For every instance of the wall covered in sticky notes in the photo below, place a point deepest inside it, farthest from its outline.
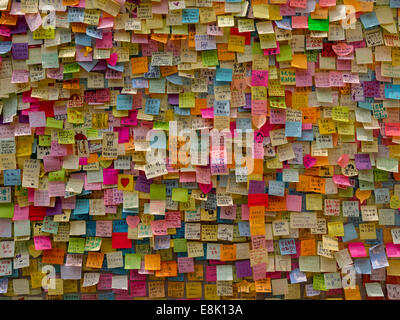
(199, 149)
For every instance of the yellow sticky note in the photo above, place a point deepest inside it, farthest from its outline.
(299, 61)
(125, 182)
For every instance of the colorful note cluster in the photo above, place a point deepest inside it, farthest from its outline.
(199, 149)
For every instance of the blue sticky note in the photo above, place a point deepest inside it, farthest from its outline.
(293, 129)
(287, 246)
(350, 232)
(153, 73)
(152, 106)
(190, 15)
(392, 91)
(224, 74)
(76, 14)
(394, 3)
(369, 20)
(362, 266)
(83, 40)
(221, 108)
(140, 83)
(12, 177)
(120, 226)
(124, 102)
(244, 229)
(296, 276)
(285, 23)
(88, 65)
(276, 188)
(90, 228)
(81, 206)
(175, 79)
(118, 67)
(306, 135)
(182, 111)
(93, 32)
(5, 47)
(243, 124)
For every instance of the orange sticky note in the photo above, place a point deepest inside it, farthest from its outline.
(139, 65)
(152, 262)
(307, 247)
(228, 252)
(299, 61)
(95, 260)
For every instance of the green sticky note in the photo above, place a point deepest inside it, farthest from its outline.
(76, 245)
(210, 58)
(45, 141)
(161, 125)
(256, 48)
(71, 67)
(285, 54)
(158, 191)
(57, 175)
(312, 55)
(380, 175)
(92, 133)
(318, 24)
(319, 282)
(53, 123)
(132, 261)
(6, 210)
(180, 194)
(346, 193)
(92, 243)
(187, 100)
(387, 164)
(157, 85)
(180, 245)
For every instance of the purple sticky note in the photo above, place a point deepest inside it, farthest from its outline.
(20, 27)
(56, 210)
(243, 269)
(20, 51)
(142, 184)
(173, 99)
(363, 162)
(256, 187)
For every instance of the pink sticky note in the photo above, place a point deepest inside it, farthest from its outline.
(259, 271)
(207, 113)
(51, 163)
(20, 213)
(34, 21)
(343, 160)
(110, 176)
(42, 243)
(228, 212)
(341, 179)
(112, 60)
(106, 42)
(138, 288)
(309, 161)
(357, 249)
(392, 250)
(56, 189)
(211, 273)
(245, 212)
(106, 22)
(81, 54)
(159, 227)
(259, 78)
(187, 177)
(294, 202)
(37, 119)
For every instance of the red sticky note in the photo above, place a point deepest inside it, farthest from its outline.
(120, 240)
